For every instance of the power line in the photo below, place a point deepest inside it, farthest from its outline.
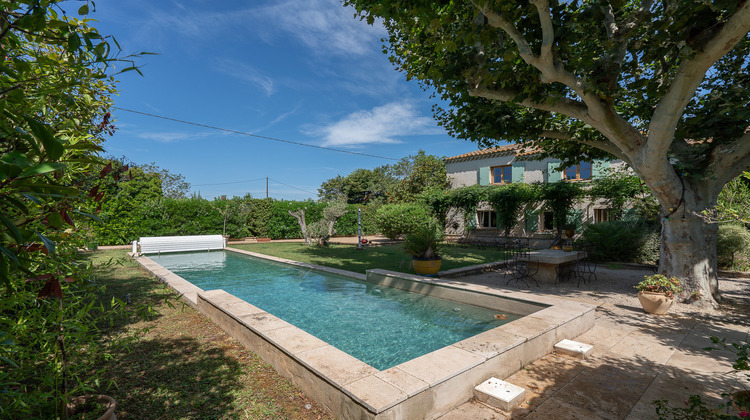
(290, 186)
(253, 135)
(227, 183)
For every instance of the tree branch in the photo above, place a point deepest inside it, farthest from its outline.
(687, 80)
(731, 159)
(565, 106)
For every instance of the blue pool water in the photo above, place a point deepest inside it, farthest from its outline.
(381, 326)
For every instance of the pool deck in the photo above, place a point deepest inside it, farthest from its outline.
(426, 387)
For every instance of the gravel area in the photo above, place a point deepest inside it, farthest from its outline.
(614, 286)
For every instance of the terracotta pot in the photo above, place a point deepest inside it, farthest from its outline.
(263, 239)
(655, 303)
(426, 267)
(78, 402)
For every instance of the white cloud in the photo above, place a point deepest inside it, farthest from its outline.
(381, 125)
(172, 137)
(247, 74)
(326, 26)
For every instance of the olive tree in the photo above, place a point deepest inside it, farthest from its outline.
(661, 85)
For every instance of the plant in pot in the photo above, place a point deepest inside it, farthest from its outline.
(424, 245)
(657, 293)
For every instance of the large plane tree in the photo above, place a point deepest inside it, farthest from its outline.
(662, 85)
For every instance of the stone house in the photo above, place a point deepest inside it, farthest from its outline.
(516, 163)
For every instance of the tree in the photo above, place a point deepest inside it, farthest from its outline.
(660, 85)
(416, 174)
(56, 80)
(172, 185)
(320, 231)
(360, 186)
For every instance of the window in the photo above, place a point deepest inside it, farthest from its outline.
(487, 219)
(601, 215)
(502, 174)
(578, 172)
(549, 221)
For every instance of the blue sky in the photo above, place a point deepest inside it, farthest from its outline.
(300, 70)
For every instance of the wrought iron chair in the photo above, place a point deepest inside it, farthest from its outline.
(521, 267)
(586, 268)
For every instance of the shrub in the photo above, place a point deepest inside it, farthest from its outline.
(623, 241)
(732, 239)
(395, 220)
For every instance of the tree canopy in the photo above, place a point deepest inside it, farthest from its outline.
(661, 85)
(399, 182)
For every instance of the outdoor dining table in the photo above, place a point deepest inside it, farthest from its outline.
(548, 260)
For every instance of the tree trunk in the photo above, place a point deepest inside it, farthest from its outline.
(688, 249)
(300, 216)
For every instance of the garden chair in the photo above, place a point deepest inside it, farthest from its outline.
(521, 267)
(585, 269)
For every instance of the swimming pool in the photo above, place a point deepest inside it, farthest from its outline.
(381, 326)
(425, 387)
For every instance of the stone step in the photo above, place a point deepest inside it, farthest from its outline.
(500, 394)
(574, 348)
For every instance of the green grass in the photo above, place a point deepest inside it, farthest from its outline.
(389, 257)
(186, 367)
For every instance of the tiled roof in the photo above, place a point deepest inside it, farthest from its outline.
(510, 149)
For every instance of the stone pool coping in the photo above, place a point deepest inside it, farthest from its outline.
(425, 387)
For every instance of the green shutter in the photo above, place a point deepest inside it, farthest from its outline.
(484, 175)
(517, 172)
(599, 167)
(532, 221)
(553, 172)
(575, 218)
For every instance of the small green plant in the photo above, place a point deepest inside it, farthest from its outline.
(660, 283)
(696, 408)
(425, 242)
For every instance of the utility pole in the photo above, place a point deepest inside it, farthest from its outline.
(266, 187)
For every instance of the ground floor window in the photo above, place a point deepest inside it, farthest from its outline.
(487, 219)
(602, 215)
(549, 221)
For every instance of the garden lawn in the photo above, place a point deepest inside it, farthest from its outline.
(186, 367)
(387, 257)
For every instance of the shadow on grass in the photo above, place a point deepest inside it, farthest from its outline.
(176, 378)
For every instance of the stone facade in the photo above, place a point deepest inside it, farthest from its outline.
(516, 164)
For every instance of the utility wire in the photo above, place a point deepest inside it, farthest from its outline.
(290, 186)
(227, 183)
(253, 135)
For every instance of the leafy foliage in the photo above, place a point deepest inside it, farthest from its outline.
(509, 200)
(395, 220)
(732, 241)
(659, 283)
(56, 80)
(623, 241)
(617, 188)
(559, 198)
(425, 241)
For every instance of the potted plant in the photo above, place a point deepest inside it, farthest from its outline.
(424, 245)
(656, 293)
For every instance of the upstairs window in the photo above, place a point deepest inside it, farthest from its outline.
(578, 172)
(502, 174)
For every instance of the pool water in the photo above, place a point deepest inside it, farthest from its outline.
(381, 326)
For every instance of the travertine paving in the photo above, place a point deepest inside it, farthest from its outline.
(637, 358)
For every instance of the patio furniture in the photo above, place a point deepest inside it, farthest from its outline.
(585, 269)
(522, 267)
